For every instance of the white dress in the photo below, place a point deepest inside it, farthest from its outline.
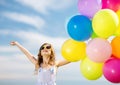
(47, 76)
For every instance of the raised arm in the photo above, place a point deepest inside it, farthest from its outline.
(25, 51)
(62, 62)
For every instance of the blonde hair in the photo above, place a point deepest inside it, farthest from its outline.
(40, 58)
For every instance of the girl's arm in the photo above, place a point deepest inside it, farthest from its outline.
(62, 62)
(25, 51)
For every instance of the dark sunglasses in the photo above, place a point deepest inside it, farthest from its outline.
(47, 47)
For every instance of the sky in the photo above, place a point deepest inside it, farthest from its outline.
(31, 23)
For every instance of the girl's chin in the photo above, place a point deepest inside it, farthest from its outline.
(46, 54)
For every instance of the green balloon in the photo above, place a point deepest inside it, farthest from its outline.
(93, 35)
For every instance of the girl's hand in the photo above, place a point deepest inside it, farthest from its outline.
(13, 43)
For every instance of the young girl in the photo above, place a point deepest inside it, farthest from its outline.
(45, 65)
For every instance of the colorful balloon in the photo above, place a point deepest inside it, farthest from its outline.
(111, 70)
(89, 7)
(115, 43)
(98, 50)
(105, 23)
(90, 69)
(117, 33)
(94, 35)
(73, 51)
(79, 28)
(111, 4)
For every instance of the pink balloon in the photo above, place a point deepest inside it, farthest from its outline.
(111, 4)
(111, 70)
(99, 50)
(89, 7)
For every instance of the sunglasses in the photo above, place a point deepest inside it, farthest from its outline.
(47, 47)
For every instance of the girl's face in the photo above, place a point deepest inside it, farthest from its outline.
(46, 50)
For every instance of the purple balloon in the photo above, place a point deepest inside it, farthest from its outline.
(111, 70)
(89, 7)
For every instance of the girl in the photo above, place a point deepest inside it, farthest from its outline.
(45, 65)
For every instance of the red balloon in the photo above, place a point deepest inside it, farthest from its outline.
(111, 4)
(111, 70)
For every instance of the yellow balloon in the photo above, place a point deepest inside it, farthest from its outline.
(105, 23)
(91, 70)
(73, 50)
(117, 33)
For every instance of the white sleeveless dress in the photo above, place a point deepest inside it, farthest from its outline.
(47, 76)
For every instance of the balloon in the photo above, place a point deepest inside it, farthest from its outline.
(73, 51)
(115, 43)
(79, 28)
(111, 4)
(98, 50)
(90, 69)
(89, 7)
(94, 35)
(117, 33)
(111, 70)
(105, 23)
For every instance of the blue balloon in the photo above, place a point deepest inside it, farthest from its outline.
(79, 28)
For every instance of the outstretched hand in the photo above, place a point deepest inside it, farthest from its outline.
(13, 43)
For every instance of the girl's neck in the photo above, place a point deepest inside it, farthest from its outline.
(46, 60)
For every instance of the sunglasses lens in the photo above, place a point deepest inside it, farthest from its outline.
(48, 47)
(42, 48)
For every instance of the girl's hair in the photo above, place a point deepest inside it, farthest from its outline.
(40, 57)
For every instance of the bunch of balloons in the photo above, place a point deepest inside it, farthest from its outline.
(89, 42)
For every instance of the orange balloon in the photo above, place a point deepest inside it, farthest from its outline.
(116, 46)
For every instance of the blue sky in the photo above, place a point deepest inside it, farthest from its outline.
(31, 23)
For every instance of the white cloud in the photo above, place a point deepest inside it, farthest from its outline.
(16, 61)
(7, 49)
(14, 66)
(15, 76)
(4, 32)
(35, 21)
(43, 6)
